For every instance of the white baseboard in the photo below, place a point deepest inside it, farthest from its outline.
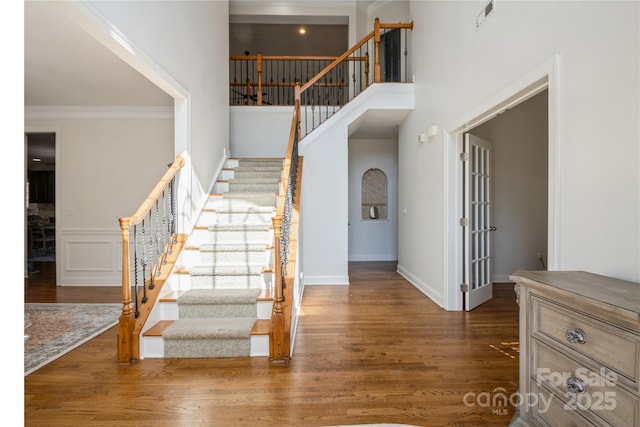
(373, 257)
(423, 287)
(325, 280)
(500, 278)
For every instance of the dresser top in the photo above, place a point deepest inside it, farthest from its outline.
(620, 293)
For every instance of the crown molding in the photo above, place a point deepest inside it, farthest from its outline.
(99, 112)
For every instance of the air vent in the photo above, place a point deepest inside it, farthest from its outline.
(484, 14)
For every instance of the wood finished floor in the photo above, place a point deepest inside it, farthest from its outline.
(377, 351)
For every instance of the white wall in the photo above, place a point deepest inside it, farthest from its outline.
(259, 131)
(519, 187)
(325, 177)
(106, 167)
(597, 131)
(389, 12)
(372, 240)
(188, 40)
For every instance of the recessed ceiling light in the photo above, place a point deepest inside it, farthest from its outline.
(302, 30)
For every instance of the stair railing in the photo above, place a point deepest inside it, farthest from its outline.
(285, 244)
(314, 103)
(150, 246)
(318, 102)
(270, 80)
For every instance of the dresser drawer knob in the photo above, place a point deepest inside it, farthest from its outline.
(576, 336)
(576, 385)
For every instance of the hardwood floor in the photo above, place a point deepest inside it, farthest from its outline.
(41, 287)
(377, 351)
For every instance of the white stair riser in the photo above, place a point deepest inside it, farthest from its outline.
(169, 310)
(232, 163)
(259, 345)
(227, 174)
(207, 218)
(264, 309)
(221, 187)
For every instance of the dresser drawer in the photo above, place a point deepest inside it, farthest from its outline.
(607, 345)
(551, 411)
(601, 395)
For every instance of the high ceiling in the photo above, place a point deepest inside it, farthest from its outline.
(65, 66)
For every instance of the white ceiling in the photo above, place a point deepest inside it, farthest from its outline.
(65, 66)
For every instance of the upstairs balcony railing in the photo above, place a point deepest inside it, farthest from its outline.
(327, 83)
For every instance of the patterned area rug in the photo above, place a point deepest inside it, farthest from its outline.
(52, 330)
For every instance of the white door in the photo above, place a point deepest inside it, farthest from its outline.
(477, 284)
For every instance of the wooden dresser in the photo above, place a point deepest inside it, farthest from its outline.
(579, 350)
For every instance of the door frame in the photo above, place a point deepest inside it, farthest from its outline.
(58, 189)
(544, 76)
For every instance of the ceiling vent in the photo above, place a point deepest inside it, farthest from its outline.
(484, 14)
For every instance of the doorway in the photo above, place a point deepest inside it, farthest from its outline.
(509, 229)
(40, 203)
(540, 81)
(372, 200)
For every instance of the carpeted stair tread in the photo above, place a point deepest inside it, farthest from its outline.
(233, 247)
(244, 199)
(225, 270)
(261, 178)
(259, 163)
(244, 209)
(209, 327)
(219, 296)
(250, 187)
(209, 337)
(240, 227)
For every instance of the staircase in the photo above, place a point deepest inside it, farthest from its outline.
(218, 302)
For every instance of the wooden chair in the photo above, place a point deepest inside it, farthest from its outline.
(41, 237)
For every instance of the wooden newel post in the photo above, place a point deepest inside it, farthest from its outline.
(277, 344)
(127, 319)
(297, 91)
(376, 39)
(259, 70)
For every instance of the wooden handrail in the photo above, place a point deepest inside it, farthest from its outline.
(282, 58)
(373, 34)
(127, 320)
(157, 190)
(337, 61)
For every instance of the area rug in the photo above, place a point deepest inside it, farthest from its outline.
(52, 330)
